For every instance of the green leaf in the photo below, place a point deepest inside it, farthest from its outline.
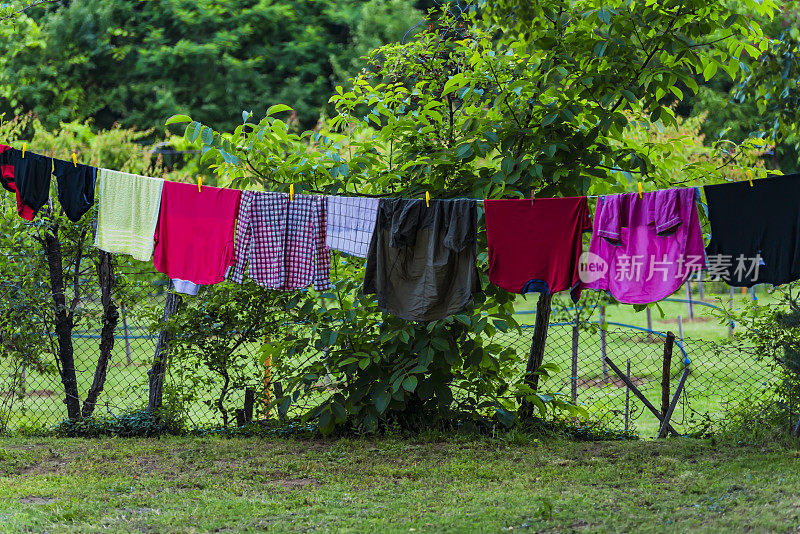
(604, 15)
(193, 131)
(464, 151)
(549, 119)
(207, 135)
(277, 108)
(440, 343)
(177, 119)
(382, 401)
(410, 383)
(710, 70)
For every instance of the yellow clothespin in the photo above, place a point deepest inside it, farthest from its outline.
(750, 176)
(428, 199)
(291, 193)
(639, 187)
(199, 184)
(74, 159)
(24, 148)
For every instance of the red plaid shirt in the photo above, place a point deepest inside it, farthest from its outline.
(282, 241)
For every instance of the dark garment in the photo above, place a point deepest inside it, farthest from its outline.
(75, 188)
(421, 260)
(7, 169)
(31, 180)
(755, 231)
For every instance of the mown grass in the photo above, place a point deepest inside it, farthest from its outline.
(394, 485)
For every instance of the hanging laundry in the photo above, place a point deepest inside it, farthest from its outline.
(351, 223)
(421, 261)
(755, 231)
(128, 209)
(75, 188)
(283, 241)
(7, 172)
(535, 245)
(194, 235)
(30, 180)
(185, 287)
(644, 249)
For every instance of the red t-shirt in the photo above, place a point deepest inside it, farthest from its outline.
(535, 245)
(194, 235)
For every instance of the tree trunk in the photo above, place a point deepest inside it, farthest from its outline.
(63, 323)
(543, 308)
(105, 273)
(159, 368)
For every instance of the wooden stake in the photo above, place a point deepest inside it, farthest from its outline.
(689, 304)
(662, 431)
(641, 396)
(543, 309)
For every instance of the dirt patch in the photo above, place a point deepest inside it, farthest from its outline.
(610, 381)
(32, 499)
(297, 483)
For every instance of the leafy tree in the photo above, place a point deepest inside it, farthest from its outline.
(137, 62)
(772, 83)
(550, 96)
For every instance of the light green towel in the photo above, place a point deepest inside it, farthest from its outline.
(128, 212)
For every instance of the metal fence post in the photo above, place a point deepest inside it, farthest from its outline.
(575, 341)
(603, 341)
(627, 397)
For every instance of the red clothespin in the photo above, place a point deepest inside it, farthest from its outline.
(533, 196)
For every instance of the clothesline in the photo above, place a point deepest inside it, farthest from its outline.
(422, 261)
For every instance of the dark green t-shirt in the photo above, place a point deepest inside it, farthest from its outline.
(421, 260)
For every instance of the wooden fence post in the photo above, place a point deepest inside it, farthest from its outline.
(158, 370)
(665, 374)
(543, 309)
(689, 304)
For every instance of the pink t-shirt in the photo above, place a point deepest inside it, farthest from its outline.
(194, 235)
(643, 250)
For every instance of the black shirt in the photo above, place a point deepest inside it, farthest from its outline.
(755, 231)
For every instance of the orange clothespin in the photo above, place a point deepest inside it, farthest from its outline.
(291, 193)
(74, 159)
(199, 184)
(24, 148)
(428, 199)
(639, 187)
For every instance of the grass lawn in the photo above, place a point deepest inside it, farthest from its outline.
(394, 485)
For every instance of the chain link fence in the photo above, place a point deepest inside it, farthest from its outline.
(32, 395)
